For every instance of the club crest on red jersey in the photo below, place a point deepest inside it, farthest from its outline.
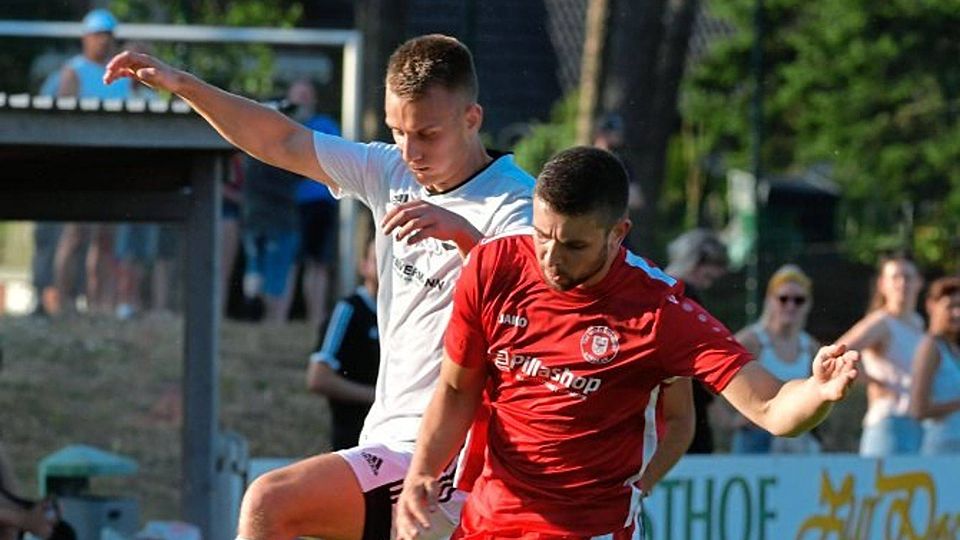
(599, 345)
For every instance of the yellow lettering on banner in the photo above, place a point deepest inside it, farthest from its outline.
(845, 519)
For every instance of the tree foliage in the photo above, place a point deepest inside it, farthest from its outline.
(547, 138)
(246, 69)
(872, 88)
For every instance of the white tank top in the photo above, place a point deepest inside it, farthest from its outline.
(893, 369)
(946, 387)
(782, 369)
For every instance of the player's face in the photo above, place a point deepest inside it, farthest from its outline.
(574, 250)
(434, 133)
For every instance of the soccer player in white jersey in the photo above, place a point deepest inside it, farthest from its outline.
(435, 194)
(569, 333)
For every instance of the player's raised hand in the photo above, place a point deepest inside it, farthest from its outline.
(416, 220)
(834, 370)
(144, 68)
(417, 501)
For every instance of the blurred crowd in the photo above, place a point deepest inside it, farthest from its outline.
(286, 225)
(910, 365)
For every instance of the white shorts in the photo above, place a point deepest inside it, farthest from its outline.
(380, 469)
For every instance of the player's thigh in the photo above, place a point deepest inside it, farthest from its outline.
(380, 470)
(319, 496)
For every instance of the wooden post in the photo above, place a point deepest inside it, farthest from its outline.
(591, 69)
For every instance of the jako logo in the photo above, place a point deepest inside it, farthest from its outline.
(512, 320)
(530, 366)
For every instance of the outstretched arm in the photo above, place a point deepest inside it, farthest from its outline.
(870, 332)
(444, 427)
(258, 130)
(793, 407)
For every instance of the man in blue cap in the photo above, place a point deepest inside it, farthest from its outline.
(82, 76)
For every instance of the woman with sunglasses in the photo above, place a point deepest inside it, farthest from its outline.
(778, 341)
(935, 397)
(887, 338)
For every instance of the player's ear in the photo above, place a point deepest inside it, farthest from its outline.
(474, 116)
(618, 234)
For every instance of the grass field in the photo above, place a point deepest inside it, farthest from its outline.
(116, 386)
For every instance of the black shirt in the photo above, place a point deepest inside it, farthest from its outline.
(350, 345)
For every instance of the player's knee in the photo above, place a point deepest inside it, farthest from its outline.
(263, 509)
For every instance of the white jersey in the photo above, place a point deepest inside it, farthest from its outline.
(416, 281)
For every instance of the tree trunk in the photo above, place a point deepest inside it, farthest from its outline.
(591, 69)
(383, 23)
(645, 62)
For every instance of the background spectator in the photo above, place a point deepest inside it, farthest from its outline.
(46, 236)
(135, 250)
(344, 366)
(271, 236)
(887, 338)
(230, 211)
(779, 342)
(318, 209)
(163, 276)
(935, 396)
(82, 76)
(608, 136)
(698, 258)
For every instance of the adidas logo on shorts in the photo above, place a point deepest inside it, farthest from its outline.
(374, 461)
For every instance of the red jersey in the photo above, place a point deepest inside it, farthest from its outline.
(571, 374)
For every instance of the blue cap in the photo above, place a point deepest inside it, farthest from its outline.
(99, 20)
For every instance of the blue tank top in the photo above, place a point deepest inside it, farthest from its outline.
(90, 79)
(799, 368)
(945, 387)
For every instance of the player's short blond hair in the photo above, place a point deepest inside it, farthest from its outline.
(431, 60)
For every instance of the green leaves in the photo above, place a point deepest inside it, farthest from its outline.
(871, 88)
(246, 69)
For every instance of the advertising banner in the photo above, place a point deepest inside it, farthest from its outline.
(817, 497)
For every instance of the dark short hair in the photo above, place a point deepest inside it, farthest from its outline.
(584, 180)
(945, 286)
(431, 60)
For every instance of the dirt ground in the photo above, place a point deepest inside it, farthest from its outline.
(116, 385)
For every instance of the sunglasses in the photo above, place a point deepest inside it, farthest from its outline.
(798, 300)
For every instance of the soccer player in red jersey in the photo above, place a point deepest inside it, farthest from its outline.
(568, 334)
